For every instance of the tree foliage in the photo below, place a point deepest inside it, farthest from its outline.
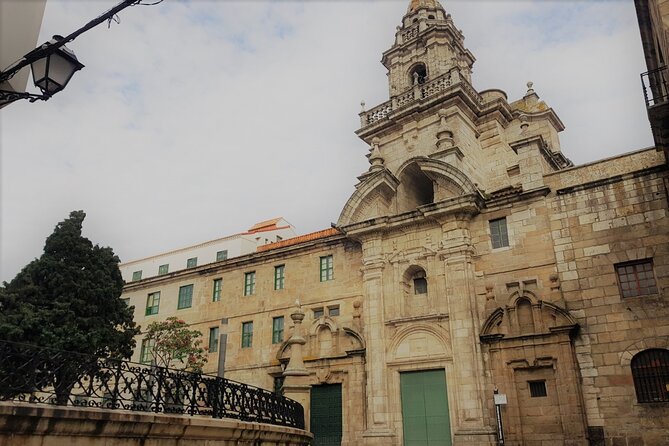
(173, 344)
(69, 299)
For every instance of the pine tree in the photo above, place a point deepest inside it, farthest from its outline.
(68, 299)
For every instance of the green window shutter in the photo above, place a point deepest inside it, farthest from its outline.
(213, 339)
(216, 295)
(327, 268)
(152, 303)
(137, 275)
(185, 297)
(277, 330)
(279, 277)
(247, 334)
(163, 269)
(146, 355)
(191, 263)
(221, 255)
(249, 283)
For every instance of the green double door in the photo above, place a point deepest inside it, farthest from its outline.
(425, 408)
(326, 422)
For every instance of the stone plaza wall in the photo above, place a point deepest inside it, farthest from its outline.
(31, 425)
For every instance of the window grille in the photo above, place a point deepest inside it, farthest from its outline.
(650, 370)
(537, 389)
(636, 278)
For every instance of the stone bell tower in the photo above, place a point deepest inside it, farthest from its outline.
(427, 46)
(440, 153)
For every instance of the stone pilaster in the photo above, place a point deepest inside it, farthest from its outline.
(472, 424)
(378, 431)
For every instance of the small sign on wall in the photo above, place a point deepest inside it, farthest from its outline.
(500, 399)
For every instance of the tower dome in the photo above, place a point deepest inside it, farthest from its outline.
(417, 4)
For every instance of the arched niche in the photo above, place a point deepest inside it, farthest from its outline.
(416, 189)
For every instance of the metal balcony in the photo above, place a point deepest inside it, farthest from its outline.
(655, 86)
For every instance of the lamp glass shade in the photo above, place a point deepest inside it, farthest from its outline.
(52, 73)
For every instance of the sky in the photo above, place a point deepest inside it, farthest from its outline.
(193, 120)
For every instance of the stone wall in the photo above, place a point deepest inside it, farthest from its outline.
(31, 425)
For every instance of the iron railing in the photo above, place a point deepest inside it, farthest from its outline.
(42, 375)
(655, 86)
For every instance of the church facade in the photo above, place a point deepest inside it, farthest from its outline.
(472, 260)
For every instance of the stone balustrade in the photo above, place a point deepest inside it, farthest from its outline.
(451, 80)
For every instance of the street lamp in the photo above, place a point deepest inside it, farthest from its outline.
(53, 64)
(52, 73)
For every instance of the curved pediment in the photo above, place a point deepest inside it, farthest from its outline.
(373, 198)
(526, 316)
(326, 339)
(419, 181)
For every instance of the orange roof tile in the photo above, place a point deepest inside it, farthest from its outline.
(299, 239)
(265, 225)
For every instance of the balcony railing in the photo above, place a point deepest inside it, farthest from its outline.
(449, 80)
(655, 87)
(46, 376)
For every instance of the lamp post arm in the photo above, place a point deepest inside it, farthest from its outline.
(45, 50)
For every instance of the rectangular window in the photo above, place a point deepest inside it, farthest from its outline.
(152, 303)
(146, 353)
(213, 339)
(327, 268)
(247, 334)
(537, 389)
(277, 330)
(163, 269)
(318, 312)
(333, 310)
(498, 233)
(216, 295)
(221, 255)
(191, 263)
(249, 283)
(185, 297)
(137, 275)
(636, 278)
(279, 277)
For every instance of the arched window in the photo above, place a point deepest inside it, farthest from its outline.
(415, 278)
(650, 370)
(418, 74)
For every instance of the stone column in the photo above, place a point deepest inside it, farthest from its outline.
(378, 430)
(296, 376)
(472, 423)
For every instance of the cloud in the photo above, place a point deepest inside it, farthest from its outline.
(194, 120)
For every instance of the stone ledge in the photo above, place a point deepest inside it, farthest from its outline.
(21, 423)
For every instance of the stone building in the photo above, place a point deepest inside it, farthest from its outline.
(473, 257)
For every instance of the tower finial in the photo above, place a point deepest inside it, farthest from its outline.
(415, 4)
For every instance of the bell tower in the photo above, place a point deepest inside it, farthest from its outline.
(427, 45)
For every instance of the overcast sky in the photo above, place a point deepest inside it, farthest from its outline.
(195, 120)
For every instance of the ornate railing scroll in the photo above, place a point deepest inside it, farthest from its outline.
(48, 376)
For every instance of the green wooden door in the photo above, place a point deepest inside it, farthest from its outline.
(326, 415)
(425, 408)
